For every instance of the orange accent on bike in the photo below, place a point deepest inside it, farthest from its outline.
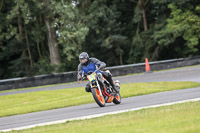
(110, 99)
(101, 99)
(118, 98)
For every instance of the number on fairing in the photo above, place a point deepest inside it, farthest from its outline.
(91, 77)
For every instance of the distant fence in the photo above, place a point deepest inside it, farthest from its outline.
(116, 71)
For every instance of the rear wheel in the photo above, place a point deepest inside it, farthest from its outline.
(97, 97)
(117, 99)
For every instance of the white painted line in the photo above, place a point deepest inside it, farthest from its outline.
(99, 115)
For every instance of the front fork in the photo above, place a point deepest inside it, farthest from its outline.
(99, 88)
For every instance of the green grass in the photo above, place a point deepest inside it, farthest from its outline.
(19, 89)
(178, 118)
(46, 100)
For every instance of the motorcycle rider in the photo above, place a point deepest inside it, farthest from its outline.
(89, 65)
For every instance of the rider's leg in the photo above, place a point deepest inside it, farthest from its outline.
(110, 80)
(99, 75)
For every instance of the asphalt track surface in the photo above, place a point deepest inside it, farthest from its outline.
(184, 74)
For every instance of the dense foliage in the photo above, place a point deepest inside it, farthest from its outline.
(45, 36)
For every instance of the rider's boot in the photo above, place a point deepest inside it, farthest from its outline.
(108, 76)
(117, 86)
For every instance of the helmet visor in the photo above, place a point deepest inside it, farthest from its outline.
(83, 60)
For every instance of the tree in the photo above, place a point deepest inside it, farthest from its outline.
(52, 41)
(182, 28)
(71, 31)
(14, 35)
(109, 25)
(185, 23)
(116, 43)
(45, 36)
(144, 44)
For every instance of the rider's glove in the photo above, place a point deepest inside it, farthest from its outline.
(101, 67)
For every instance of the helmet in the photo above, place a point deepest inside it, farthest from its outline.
(83, 58)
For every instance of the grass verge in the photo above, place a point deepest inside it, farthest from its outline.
(46, 100)
(178, 118)
(43, 86)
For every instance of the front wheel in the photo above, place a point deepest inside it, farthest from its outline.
(97, 97)
(117, 99)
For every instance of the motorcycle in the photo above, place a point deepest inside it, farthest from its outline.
(101, 89)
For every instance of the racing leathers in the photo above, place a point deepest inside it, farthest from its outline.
(91, 66)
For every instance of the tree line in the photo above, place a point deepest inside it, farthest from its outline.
(46, 36)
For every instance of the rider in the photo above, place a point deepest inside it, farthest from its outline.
(89, 64)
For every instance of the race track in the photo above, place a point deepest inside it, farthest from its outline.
(184, 74)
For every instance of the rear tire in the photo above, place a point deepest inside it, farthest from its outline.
(99, 99)
(117, 99)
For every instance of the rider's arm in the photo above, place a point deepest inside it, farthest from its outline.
(79, 74)
(98, 62)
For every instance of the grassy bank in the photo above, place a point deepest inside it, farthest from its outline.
(179, 118)
(46, 100)
(29, 88)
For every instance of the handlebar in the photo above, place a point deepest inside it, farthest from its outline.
(83, 77)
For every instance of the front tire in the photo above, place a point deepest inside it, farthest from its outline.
(97, 97)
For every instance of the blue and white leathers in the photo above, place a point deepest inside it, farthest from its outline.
(91, 67)
(92, 64)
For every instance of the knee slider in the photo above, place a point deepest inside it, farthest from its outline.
(108, 72)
